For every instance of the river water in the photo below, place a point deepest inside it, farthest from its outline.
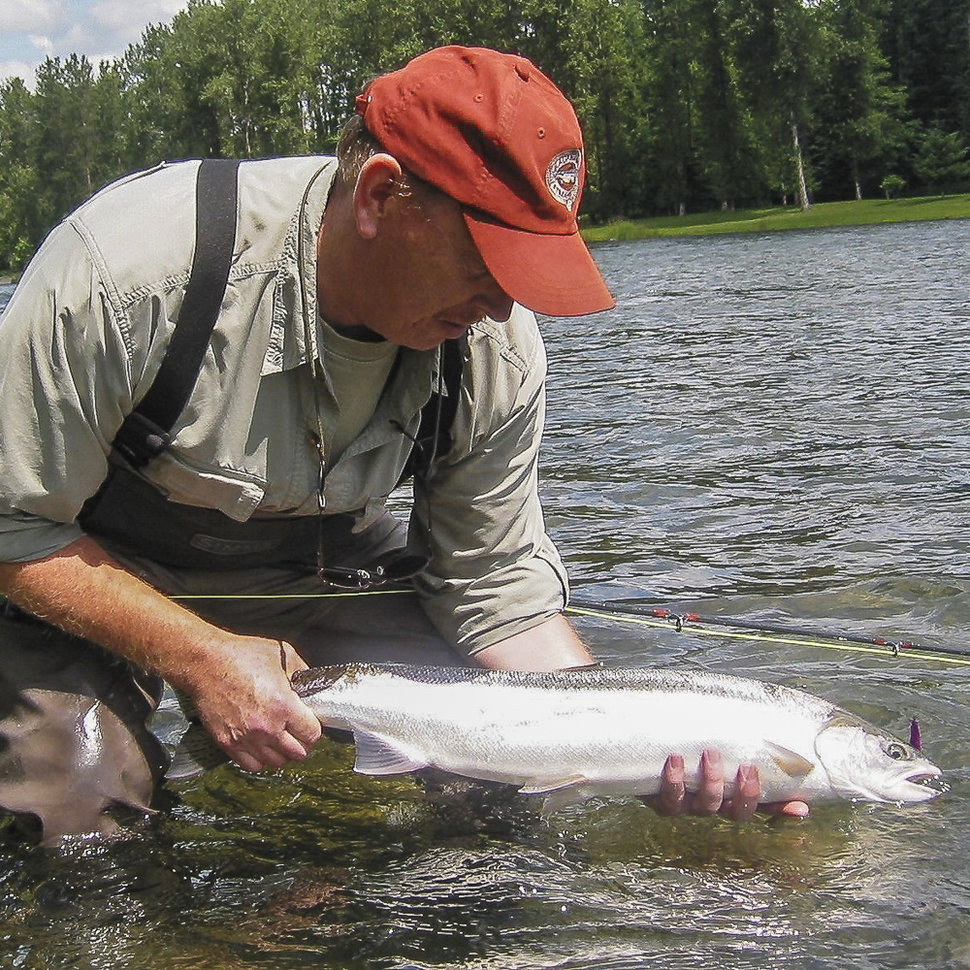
(774, 427)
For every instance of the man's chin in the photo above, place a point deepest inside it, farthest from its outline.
(452, 331)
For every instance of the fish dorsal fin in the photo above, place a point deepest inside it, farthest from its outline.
(790, 762)
(381, 756)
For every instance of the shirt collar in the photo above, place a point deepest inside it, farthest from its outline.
(295, 298)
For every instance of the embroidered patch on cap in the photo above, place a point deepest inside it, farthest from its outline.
(562, 177)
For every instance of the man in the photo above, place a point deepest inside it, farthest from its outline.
(451, 209)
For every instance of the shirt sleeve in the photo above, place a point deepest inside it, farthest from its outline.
(64, 381)
(493, 571)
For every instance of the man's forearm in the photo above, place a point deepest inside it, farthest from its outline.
(552, 645)
(82, 590)
(238, 684)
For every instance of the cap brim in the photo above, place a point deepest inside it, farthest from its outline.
(548, 273)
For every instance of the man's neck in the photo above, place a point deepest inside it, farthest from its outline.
(359, 332)
(335, 274)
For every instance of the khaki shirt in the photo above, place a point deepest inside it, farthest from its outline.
(87, 328)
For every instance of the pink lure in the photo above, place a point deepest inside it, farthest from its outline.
(915, 741)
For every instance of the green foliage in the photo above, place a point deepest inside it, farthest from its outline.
(941, 161)
(892, 185)
(686, 105)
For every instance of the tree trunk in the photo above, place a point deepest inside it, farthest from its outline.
(799, 167)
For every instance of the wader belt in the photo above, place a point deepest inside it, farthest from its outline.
(132, 513)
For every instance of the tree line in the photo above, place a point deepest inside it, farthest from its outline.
(687, 105)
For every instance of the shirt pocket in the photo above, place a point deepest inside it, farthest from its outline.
(234, 493)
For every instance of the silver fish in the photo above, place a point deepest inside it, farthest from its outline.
(570, 735)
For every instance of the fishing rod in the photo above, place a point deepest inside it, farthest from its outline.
(679, 621)
(660, 617)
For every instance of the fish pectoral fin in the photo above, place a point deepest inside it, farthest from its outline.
(381, 756)
(789, 761)
(559, 793)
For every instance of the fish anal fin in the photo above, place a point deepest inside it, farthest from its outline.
(377, 755)
(557, 784)
(559, 792)
(790, 762)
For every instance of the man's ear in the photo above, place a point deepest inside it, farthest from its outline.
(376, 186)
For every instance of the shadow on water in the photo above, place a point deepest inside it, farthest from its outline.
(772, 427)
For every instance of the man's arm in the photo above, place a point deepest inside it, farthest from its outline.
(552, 645)
(237, 683)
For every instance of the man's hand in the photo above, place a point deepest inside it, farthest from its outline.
(674, 799)
(246, 702)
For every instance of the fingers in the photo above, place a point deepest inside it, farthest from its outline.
(674, 798)
(291, 661)
(673, 791)
(747, 790)
(709, 796)
(789, 809)
(259, 750)
(274, 752)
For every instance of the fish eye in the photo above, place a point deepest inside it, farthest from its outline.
(896, 751)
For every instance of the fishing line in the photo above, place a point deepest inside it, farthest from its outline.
(288, 596)
(662, 618)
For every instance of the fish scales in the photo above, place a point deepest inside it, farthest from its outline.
(569, 735)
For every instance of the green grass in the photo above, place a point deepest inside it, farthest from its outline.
(864, 212)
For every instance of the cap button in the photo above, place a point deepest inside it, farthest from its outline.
(522, 69)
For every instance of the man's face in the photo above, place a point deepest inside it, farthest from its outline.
(434, 284)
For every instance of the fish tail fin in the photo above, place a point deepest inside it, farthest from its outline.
(195, 754)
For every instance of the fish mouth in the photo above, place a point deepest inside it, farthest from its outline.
(924, 785)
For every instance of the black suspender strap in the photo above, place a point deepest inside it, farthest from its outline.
(439, 426)
(146, 432)
(437, 416)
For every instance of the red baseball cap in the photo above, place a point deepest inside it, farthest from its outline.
(494, 133)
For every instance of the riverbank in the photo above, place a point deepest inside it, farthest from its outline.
(862, 212)
(824, 215)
